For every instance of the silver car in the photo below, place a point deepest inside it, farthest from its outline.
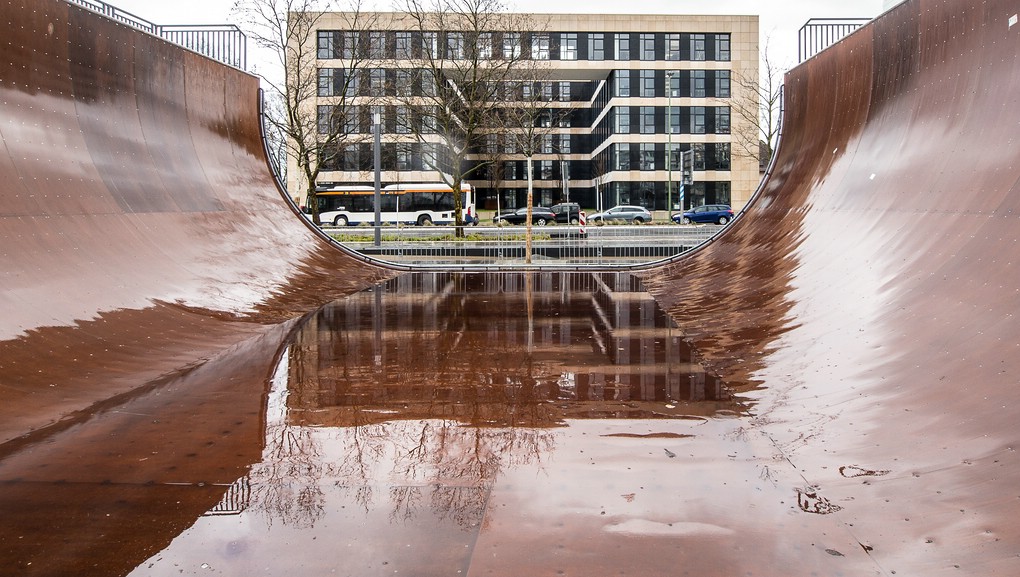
(623, 212)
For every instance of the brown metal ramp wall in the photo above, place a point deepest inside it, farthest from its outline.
(142, 230)
(867, 300)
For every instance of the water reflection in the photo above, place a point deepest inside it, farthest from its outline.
(400, 418)
(496, 350)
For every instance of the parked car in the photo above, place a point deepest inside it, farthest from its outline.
(713, 213)
(567, 212)
(626, 213)
(540, 216)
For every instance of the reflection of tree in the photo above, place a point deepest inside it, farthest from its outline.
(285, 485)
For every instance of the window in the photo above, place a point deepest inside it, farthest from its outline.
(564, 120)
(545, 168)
(428, 83)
(403, 46)
(673, 120)
(511, 46)
(327, 79)
(403, 120)
(547, 144)
(540, 46)
(672, 47)
(675, 155)
(697, 83)
(647, 89)
(350, 44)
(377, 81)
(492, 143)
(510, 171)
(697, 120)
(350, 161)
(323, 116)
(403, 158)
(564, 143)
(455, 45)
(568, 47)
(647, 119)
(429, 45)
(622, 120)
(697, 46)
(722, 156)
(403, 83)
(623, 46)
(327, 44)
(428, 121)
(722, 47)
(722, 83)
(564, 92)
(429, 157)
(698, 156)
(621, 157)
(597, 45)
(484, 46)
(646, 160)
(351, 90)
(377, 44)
(673, 83)
(647, 46)
(622, 83)
(722, 119)
(350, 120)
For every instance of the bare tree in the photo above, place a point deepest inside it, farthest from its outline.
(466, 52)
(528, 120)
(314, 135)
(759, 109)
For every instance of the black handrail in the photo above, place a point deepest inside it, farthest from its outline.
(224, 43)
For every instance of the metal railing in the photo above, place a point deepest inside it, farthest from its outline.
(817, 34)
(221, 42)
(555, 246)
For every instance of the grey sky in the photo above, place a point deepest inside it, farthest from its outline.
(779, 20)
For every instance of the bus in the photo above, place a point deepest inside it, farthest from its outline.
(420, 204)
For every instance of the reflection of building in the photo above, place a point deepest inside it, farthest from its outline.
(617, 82)
(490, 349)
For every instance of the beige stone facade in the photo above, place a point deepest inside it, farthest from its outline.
(614, 73)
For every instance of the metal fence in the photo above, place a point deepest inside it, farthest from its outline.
(817, 34)
(505, 247)
(222, 42)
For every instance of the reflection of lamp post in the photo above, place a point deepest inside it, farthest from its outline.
(669, 142)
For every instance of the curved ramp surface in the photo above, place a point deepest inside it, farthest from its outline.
(864, 306)
(142, 231)
(867, 300)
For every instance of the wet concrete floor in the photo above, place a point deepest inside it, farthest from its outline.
(438, 424)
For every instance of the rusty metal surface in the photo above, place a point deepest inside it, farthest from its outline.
(861, 315)
(867, 300)
(141, 229)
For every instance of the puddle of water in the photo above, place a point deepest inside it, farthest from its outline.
(409, 425)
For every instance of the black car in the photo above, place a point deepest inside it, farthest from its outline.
(540, 216)
(567, 212)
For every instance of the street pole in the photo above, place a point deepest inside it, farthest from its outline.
(669, 143)
(377, 160)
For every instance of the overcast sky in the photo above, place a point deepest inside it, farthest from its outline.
(779, 20)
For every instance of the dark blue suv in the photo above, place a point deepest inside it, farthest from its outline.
(713, 213)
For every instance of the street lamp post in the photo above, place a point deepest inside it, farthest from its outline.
(377, 129)
(669, 142)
